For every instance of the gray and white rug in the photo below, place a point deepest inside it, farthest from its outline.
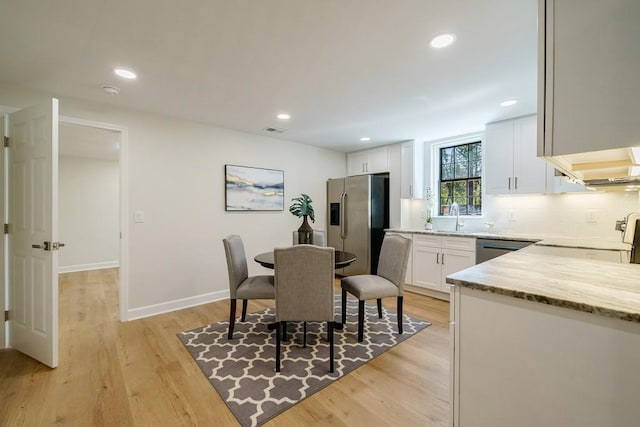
(242, 370)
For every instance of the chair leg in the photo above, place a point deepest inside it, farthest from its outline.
(360, 320)
(277, 346)
(344, 307)
(232, 317)
(379, 301)
(330, 332)
(244, 310)
(304, 334)
(400, 314)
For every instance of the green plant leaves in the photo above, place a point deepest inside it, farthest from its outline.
(301, 206)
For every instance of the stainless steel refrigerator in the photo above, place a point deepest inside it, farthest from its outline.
(358, 214)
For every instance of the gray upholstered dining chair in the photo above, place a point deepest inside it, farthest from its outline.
(241, 285)
(304, 290)
(319, 238)
(387, 282)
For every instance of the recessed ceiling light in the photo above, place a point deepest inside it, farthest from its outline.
(111, 90)
(508, 102)
(365, 139)
(125, 74)
(284, 116)
(442, 40)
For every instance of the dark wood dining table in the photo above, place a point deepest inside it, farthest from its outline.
(342, 259)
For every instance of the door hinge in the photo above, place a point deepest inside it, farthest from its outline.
(6, 229)
(6, 141)
(6, 315)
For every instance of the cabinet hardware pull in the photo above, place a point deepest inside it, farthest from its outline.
(516, 182)
(509, 185)
(442, 259)
(438, 258)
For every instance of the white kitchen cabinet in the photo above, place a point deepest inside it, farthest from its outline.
(408, 278)
(375, 160)
(579, 368)
(435, 257)
(560, 184)
(412, 170)
(588, 75)
(511, 165)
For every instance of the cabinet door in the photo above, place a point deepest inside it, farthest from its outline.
(529, 171)
(378, 160)
(356, 163)
(498, 158)
(426, 267)
(453, 261)
(592, 60)
(406, 171)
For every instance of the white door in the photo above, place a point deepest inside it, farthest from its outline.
(33, 220)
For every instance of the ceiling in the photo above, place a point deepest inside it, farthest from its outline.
(343, 69)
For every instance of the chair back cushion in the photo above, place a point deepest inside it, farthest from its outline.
(236, 263)
(304, 283)
(394, 256)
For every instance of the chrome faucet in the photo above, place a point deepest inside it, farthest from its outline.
(456, 208)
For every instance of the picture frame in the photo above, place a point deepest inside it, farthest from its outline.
(253, 189)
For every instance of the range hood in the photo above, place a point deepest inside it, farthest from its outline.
(608, 170)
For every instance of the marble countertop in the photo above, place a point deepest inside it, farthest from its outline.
(600, 287)
(539, 240)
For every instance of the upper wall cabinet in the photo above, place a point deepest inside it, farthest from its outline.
(589, 90)
(411, 170)
(375, 160)
(511, 164)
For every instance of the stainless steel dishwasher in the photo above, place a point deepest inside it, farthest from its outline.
(487, 249)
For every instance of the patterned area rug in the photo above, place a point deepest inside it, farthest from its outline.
(243, 370)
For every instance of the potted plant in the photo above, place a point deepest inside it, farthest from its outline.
(302, 207)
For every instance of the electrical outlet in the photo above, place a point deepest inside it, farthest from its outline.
(512, 215)
(591, 216)
(138, 216)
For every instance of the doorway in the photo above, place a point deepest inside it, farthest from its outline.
(96, 231)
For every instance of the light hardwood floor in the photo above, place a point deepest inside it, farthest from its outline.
(139, 374)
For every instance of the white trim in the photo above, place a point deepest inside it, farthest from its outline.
(123, 165)
(434, 180)
(87, 267)
(179, 304)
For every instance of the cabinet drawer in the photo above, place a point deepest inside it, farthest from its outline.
(459, 243)
(427, 240)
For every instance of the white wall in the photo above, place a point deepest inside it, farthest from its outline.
(556, 215)
(176, 177)
(88, 213)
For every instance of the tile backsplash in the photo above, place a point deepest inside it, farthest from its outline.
(574, 215)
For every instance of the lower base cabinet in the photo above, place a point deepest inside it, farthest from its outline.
(527, 364)
(436, 257)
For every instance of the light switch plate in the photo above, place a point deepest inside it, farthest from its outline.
(138, 216)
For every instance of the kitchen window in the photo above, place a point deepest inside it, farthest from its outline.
(461, 178)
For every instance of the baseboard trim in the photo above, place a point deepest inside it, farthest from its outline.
(179, 304)
(427, 292)
(87, 267)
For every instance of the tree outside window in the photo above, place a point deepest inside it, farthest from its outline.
(461, 178)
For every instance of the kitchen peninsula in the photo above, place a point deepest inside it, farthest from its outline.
(540, 339)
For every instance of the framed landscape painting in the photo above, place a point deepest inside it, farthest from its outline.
(253, 189)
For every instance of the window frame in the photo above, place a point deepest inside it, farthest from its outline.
(436, 146)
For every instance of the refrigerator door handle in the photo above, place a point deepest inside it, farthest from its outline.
(343, 218)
